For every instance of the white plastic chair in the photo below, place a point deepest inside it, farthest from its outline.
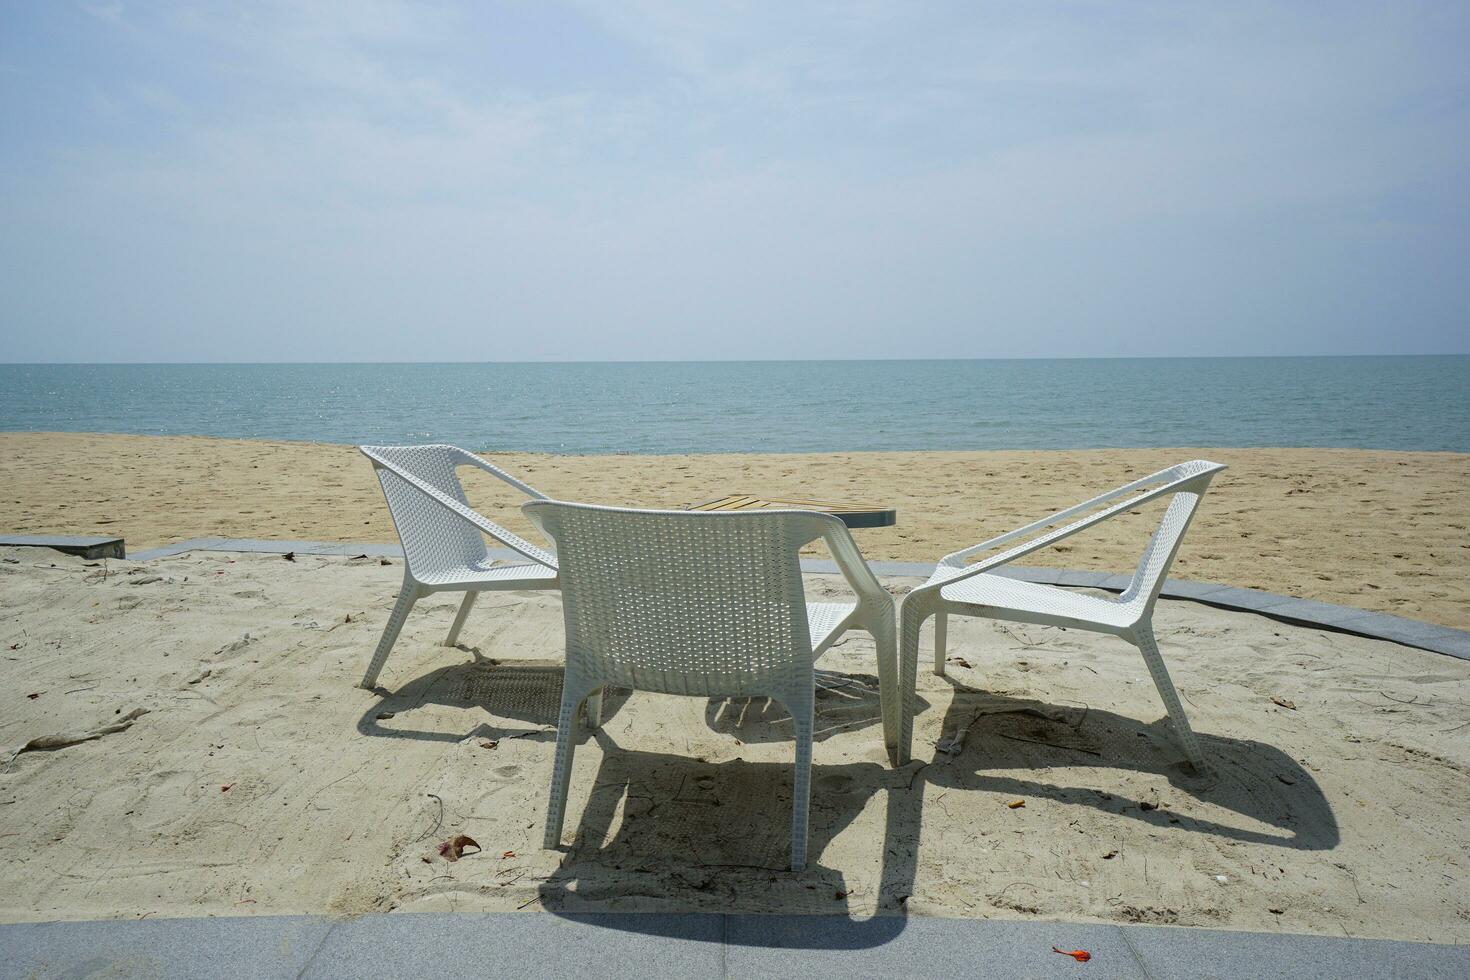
(970, 590)
(705, 605)
(444, 539)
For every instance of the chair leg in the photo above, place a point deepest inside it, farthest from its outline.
(911, 621)
(801, 791)
(941, 637)
(594, 709)
(460, 617)
(885, 638)
(561, 770)
(406, 599)
(1143, 637)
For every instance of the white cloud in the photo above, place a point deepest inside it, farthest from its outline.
(300, 174)
(110, 12)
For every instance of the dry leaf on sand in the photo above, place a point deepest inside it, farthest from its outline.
(453, 848)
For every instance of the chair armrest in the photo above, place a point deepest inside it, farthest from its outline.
(472, 460)
(511, 540)
(870, 592)
(959, 557)
(952, 568)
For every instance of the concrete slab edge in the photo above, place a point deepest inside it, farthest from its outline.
(611, 945)
(1298, 612)
(82, 545)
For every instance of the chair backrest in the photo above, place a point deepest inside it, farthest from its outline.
(433, 537)
(1188, 483)
(683, 602)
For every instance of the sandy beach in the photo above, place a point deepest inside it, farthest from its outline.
(896, 265)
(238, 770)
(1385, 531)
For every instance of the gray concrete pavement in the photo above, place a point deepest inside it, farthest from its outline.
(608, 946)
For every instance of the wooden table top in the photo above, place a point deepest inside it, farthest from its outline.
(853, 515)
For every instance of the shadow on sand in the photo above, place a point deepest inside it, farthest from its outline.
(1000, 736)
(528, 692)
(682, 834)
(677, 833)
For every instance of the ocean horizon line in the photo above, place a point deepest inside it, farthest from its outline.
(762, 360)
(492, 451)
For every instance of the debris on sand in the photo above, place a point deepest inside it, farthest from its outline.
(62, 739)
(453, 848)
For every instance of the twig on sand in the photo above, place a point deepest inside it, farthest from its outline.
(438, 820)
(311, 800)
(1019, 639)
(915, 775)
(1354, 879)
(1053, 745)
(529, 901)
(1086, 710)
(1412, 700)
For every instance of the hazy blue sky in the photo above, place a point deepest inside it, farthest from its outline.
(309, 180)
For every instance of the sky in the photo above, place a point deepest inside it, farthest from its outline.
(648, 180)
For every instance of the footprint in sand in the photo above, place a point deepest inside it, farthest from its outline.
(835, 784)
(167, 801)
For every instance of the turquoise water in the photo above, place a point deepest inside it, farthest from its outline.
(783, 406)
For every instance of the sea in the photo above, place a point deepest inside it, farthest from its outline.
(1406, 403)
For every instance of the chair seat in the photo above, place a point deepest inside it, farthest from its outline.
(826, 619)
(486, 574)
(996, 593)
